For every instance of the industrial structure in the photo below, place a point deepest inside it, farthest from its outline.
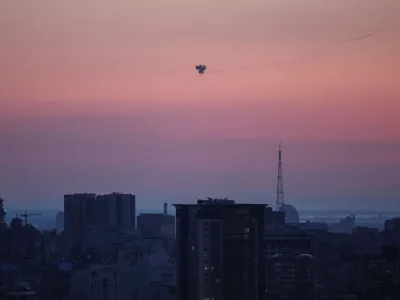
(280, 202)
(291, 213)
(25, 215)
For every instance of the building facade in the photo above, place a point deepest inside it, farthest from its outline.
(220, 250)
(112, 211)
(79, 212)
(116, 210)
(291, 257)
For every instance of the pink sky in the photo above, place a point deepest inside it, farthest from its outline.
(99, 95)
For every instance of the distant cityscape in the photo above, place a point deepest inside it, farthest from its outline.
(47, 218)
(100, 247)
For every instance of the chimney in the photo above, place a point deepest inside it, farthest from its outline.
(165, 208)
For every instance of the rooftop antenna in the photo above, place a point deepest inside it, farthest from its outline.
(279, 191)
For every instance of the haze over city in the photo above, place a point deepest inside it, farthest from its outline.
(102, 96)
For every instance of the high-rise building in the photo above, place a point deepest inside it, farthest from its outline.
(79, 212)
(291, 260)
(116, 210)
(220, 250)
(291, 277)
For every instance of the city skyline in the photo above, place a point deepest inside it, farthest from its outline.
(89, 102)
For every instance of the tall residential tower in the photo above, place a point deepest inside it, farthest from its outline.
(220, 250)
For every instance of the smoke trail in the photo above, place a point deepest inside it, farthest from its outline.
(268, 65)
(363, 36)
(290, 61)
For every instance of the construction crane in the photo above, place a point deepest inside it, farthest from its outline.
(25, 215)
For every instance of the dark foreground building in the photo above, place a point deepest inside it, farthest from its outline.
(220, 250)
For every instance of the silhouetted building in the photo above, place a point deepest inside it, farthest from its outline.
(345, 225)
(79, 212)
(291, 277)
(393, 225)
(116, 210)
(220, 250)
(2, 215)
(382, 275)
(157, 225)
(274, 218)
(314, 226)
(305, 277)
(367, 239)
(290, 263)
(3, 233)
(60, 221)
(290, 241)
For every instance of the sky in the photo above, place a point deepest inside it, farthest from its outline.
(102, 96)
